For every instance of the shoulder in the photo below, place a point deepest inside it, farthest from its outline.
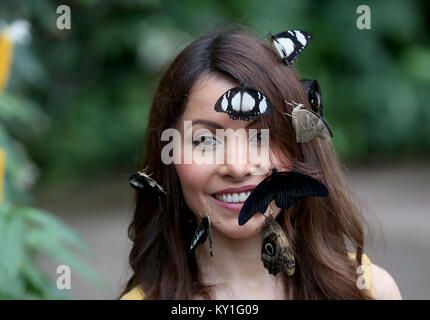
(135, 294)
(384, 286)
(379, 282)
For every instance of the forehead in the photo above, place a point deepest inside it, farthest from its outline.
(203, 97)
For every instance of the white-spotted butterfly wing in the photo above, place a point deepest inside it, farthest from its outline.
(202, 232)
(142, 182)
(290, 43)
(244, 104)
(309, 125)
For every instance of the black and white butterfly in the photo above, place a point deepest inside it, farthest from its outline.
(313, 92)
(244, 103)
(142, 182)
(202, 232)
(290, 43)
(308, 124)
(285, 187)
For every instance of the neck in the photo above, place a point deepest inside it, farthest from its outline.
(237, 264)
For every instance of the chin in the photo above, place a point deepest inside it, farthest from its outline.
(230, 227)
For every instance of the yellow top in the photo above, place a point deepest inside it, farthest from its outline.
(138, 294)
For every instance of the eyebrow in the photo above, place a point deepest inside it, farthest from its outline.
(216, 125)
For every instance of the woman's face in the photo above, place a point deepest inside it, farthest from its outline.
(219, 188)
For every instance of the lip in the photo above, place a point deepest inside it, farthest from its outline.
(232, 206)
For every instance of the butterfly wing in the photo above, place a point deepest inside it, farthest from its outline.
(201, 233)
(323, 129)
(276, 251)
(313, 92)
(285, 187)
(291, 185)
(290, 43)
(244, 103)
(257, 201)
(309, 125)
(143, 183)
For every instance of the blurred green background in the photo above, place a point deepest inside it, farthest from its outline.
(77, 100)
(89, 88)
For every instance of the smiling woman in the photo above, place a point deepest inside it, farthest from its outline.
(327, 234)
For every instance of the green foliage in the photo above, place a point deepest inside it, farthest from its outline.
(27, 233)
(95, 82)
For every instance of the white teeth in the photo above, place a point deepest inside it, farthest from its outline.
(233, 197)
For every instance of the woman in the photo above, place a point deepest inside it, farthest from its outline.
(327, 234)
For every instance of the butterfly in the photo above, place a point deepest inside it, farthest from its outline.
(142, 182)
(290, 43)
(201, 234)
(244, 103)
(308, 124)
(285, 187)
(313, 92)
(276, 251)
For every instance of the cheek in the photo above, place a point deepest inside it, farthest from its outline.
(195, 180)
(281, 162)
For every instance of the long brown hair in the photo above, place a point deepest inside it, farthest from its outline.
(322, 230)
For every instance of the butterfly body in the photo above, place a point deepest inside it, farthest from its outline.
(285, 187)
(276, 252)
(142, 182)
(290, 43)
(244, 103)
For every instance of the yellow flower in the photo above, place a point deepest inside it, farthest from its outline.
(6, 47)
(17, 31)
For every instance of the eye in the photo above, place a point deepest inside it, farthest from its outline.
(256, 137)
(206, 141)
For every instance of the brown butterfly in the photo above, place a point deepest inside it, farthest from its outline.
(276, 251)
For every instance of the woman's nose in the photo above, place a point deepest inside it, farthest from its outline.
(236, 160)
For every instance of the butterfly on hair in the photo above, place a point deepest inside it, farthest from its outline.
(290, 43)
(308, 124)
(244, 103)
(285, 187)
(203, 231)
(313, 92)
(142, 182)
(276, 250)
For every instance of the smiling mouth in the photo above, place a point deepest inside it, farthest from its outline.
(232, 197)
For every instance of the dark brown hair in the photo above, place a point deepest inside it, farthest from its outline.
(322, 230)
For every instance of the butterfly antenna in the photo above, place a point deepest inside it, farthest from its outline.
(269, 34)
(289, 103)
(286, 113)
